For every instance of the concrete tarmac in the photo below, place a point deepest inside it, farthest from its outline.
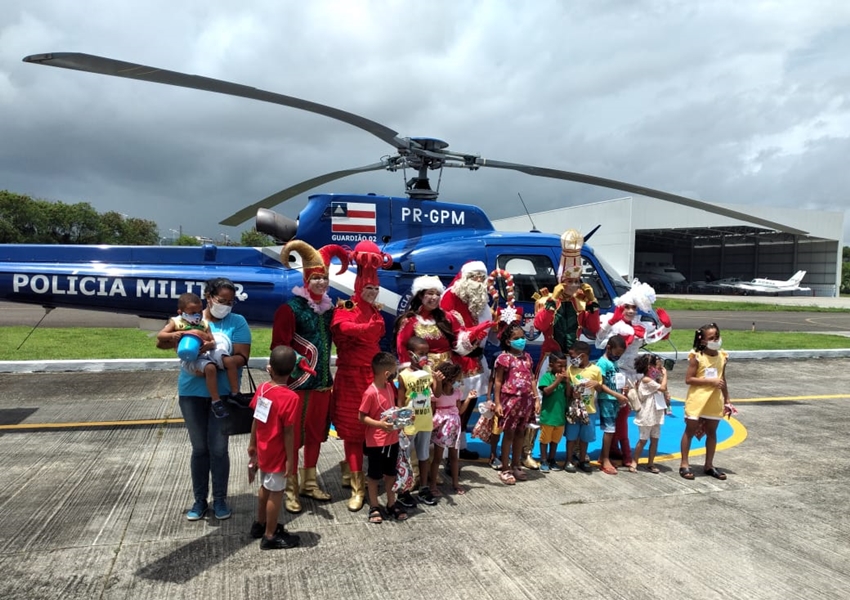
(95, 484)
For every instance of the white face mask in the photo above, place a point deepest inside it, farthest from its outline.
(219, 311)
(714, 345)
(575, 361)
(193, 319)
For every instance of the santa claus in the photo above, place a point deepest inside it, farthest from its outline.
(466, 300)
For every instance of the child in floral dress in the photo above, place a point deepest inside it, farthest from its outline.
(517, 400)
(448, 406)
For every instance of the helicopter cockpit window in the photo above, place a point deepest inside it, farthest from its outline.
(530, 274)
(590, 276)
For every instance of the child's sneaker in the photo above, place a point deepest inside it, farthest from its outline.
(259, 529)
(544, 467)
(280, 542)
(219, 410)
(669, 411)
(426, 496)
(553, 466)
(240, 400)
(496, 463)
(569, 467)
(406, 500)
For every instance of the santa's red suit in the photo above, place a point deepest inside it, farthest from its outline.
(357, 328)
(467, 351)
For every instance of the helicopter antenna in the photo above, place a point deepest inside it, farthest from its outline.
(533, 226)
(47, 311)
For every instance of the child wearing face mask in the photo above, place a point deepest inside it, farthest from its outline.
(708, 397)
(582, 420)
(190, 321)
(416, 387)
(610, 398)
(517, 400)
(448, 406)
(651, 389)
(381, 437)
(554, 388)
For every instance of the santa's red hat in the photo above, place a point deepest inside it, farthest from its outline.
(473, 266)
(314, 262)
(368, 258)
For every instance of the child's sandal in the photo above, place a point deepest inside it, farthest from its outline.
(375, 516)
(507, 478)
(397, 512)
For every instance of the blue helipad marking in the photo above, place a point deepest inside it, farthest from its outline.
(668, 443)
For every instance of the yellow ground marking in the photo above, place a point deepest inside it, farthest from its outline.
(785, 398)
(76, 425)
(739, 434)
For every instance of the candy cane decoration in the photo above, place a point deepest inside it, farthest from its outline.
(509, 314)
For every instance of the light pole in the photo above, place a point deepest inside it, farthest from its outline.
(174, 234)
(226, 238)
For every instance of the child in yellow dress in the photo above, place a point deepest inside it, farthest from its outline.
(708, 397)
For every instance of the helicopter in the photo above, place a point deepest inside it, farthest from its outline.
(420, 233)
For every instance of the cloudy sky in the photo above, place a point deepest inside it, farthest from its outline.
(740, 102)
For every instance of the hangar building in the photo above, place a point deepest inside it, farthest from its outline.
(704, 245)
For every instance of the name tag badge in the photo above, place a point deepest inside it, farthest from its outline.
(620, 381)
(710, 373)
(261, 413)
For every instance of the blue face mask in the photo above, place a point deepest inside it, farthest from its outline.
(456, 385)
(518, 344)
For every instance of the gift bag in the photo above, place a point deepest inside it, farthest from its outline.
(634, 399)
(483, 429)
(577, 413)
(404, 472)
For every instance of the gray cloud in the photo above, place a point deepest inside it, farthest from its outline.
(724, 101)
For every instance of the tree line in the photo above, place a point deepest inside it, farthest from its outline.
(26, 220)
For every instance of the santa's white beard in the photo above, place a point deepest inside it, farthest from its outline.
(473, 294)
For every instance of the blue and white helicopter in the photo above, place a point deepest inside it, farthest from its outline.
(423, 236)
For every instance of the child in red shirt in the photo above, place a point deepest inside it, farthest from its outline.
(381, 437)
(273, 447)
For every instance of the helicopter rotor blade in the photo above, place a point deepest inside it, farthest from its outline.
(636, 189)
(249, 211)
(116, 68)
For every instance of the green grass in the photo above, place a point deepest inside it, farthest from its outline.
(756, 340)
(83, 343)
(96, 342)
(674, 304)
